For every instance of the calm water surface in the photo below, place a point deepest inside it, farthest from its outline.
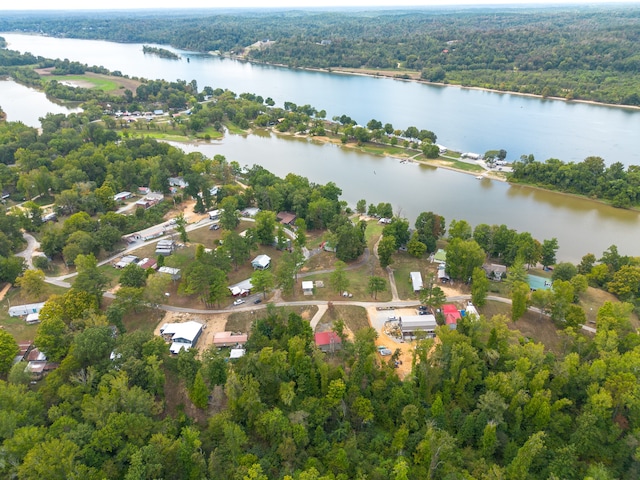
(26, 105)
(463, 119)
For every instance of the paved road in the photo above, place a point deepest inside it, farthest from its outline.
(27, 253)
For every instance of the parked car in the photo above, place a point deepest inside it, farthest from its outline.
(422, 308)
(384, 351)
(237, 302)
(423, 312)
(215, 226)
(257, 300)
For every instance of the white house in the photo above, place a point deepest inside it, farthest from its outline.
(22, 310)
(178, 182)
(261, 262)
(416, 281)
(181, 335)
(215, 214)
(242, 288)
(173, 272)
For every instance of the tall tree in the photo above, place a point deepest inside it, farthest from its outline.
(262, 281)
(229, 218)
(265, 227)
(376, 285)
(462, 257)
(338, 278)
(32, 283)
(90, 279)
(386, 248)
(549, 249)
(181, 228)
(479, 287)
(8, 351)
(519, 300)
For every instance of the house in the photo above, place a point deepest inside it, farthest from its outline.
(384, 221)
(22, 310)
(451, 315)
(261, 262)
(328, 246)
(286, 218)
(181, 335)
(165, 247)
(411, 324)
(153, 234)
(307, 288)
(158, 112)
(150, 200)
(328, 341)
(50, 217)
(241, 289)
(213, 191)
(440, 256)
(229, 339)
(495, 271)
(122, 196)
(177, 182)
(173, 272)
(143, 190)
(126, 260)
(416, 281)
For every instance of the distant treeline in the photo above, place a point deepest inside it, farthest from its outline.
(571, 52)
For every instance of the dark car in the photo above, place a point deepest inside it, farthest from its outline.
(423, 312)
(422, 308)
(257, 300)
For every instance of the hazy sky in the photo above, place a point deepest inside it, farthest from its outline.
(128, 4)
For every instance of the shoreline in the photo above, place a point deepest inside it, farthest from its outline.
(414, 77)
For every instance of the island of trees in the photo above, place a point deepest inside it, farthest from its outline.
(160, 52)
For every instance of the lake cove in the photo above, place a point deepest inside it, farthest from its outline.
(580, 225)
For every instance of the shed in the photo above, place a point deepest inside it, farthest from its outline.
(32, 318)
(495, 271)
(471, 312)
(416, 281)
(229, 339)
(410, 324)
(261, 262)
(146, 263)
(442, 275)
(236, 353)
(307, 287)
(126, 260)
(286, 218)
(328, 341)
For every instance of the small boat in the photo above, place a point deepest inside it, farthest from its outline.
(479, 177)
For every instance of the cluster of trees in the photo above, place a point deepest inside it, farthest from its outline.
(480, 403)
(570, 52)
(161, 52)
(591, 178)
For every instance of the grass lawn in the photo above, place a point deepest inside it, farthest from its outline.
(242, 321)
(112, 274)
(403, 264)
(101, 83)
(448, 162)
(16, 326)
(354, 317)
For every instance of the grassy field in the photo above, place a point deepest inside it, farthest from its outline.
(355, 318)
(403, 264)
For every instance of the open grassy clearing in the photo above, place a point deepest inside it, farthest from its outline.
(403, 264)
(354, 317)
(242, 321)
(532, 325)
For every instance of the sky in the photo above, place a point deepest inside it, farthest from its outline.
(132, 4)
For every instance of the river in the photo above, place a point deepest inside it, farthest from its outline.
(581, 226)
(466, 120)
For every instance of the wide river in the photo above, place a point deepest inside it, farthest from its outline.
(581, 226)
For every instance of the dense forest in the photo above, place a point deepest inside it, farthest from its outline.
(574, 53)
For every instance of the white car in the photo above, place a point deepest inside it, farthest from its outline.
(384, 351)
(238, 302)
